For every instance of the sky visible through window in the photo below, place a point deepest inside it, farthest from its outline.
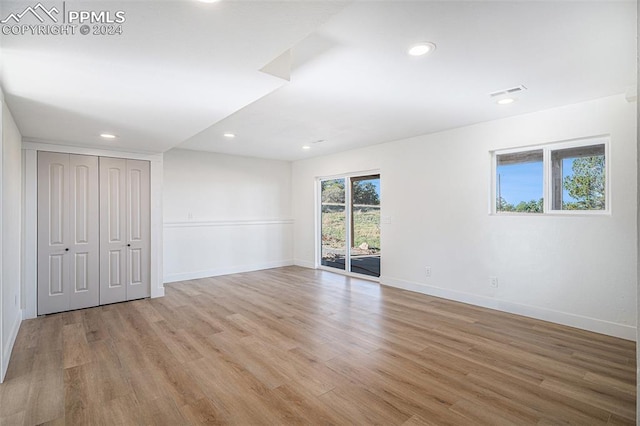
(376, 183)
(520, 182)
(524, 181)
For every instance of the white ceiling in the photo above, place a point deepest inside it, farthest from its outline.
(183, 73)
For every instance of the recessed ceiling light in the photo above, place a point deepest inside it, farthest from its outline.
(108, 136)
(229, 135)
(506, 101)
(420, 49)
(208, 1)
(306, 147)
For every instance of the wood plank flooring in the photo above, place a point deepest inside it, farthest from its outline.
(298, 346)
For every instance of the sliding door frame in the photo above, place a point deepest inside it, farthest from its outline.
(348, 215)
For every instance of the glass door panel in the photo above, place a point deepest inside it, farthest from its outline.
(365, 225)
(333, 223)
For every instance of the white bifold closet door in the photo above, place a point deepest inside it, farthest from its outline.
(124, 230)
(68, 232)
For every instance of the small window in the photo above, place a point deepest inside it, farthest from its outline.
(520, 182)
(578, 176)
(562, 177)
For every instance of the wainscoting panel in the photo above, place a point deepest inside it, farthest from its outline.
(219, 247)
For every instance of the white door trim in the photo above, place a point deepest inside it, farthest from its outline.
(30, 256)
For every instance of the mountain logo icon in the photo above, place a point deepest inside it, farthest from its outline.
(39, 11)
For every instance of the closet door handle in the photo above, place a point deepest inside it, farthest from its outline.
(128, 245)
(66, 249)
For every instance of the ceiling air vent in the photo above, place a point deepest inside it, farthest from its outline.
(508, 92)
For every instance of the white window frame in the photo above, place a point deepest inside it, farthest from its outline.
(547, 192)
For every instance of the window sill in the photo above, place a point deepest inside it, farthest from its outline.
(557, 213)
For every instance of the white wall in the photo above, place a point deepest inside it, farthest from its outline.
(579, 270)
(10, 220)
(224, 214)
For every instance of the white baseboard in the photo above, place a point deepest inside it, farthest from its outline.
(159, 292)
(586, 323)
(170, 278)
(6, 352)
(304, 263)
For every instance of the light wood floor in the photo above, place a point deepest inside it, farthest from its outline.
(297, 346)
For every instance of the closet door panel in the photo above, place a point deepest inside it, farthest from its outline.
(138, 229)
(68, 250)
(113, 217)
(93, 231)
(53, 233)
(84, 232)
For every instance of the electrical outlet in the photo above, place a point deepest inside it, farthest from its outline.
(427, 271)
(493, 282)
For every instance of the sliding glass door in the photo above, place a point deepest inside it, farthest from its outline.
(365, 225)
(350, 224)
(333, 223)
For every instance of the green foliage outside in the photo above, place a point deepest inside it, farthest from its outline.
(333, 229)
(333, 191)
(366, 220)
(586, 184)
(363, 192)
(532, 206)
(366, 225)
